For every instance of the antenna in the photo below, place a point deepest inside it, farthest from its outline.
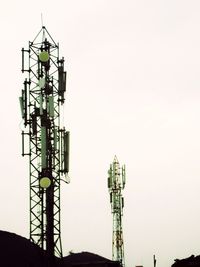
(116, 183)
(44, 141)
(154, 261)
(42, 20)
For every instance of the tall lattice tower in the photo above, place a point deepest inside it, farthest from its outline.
(44, 140)
(116, 183)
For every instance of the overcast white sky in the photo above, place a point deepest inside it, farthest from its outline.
(134, 91)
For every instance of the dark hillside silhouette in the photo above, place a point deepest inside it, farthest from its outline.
(17, 251)
(191, 261)
(87, 259)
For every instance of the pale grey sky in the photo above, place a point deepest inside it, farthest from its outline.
(133, 90)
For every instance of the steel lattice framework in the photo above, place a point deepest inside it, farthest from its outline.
(43, 139)
(116, 183)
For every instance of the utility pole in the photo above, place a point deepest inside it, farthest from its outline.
(116, 183)
(44, 140)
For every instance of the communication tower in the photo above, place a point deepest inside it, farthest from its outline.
(116, 183)
(44, 140)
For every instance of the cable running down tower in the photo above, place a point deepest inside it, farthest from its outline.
(43, 139)
(116, 183)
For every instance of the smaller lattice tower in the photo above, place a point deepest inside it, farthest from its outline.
(116, 183)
